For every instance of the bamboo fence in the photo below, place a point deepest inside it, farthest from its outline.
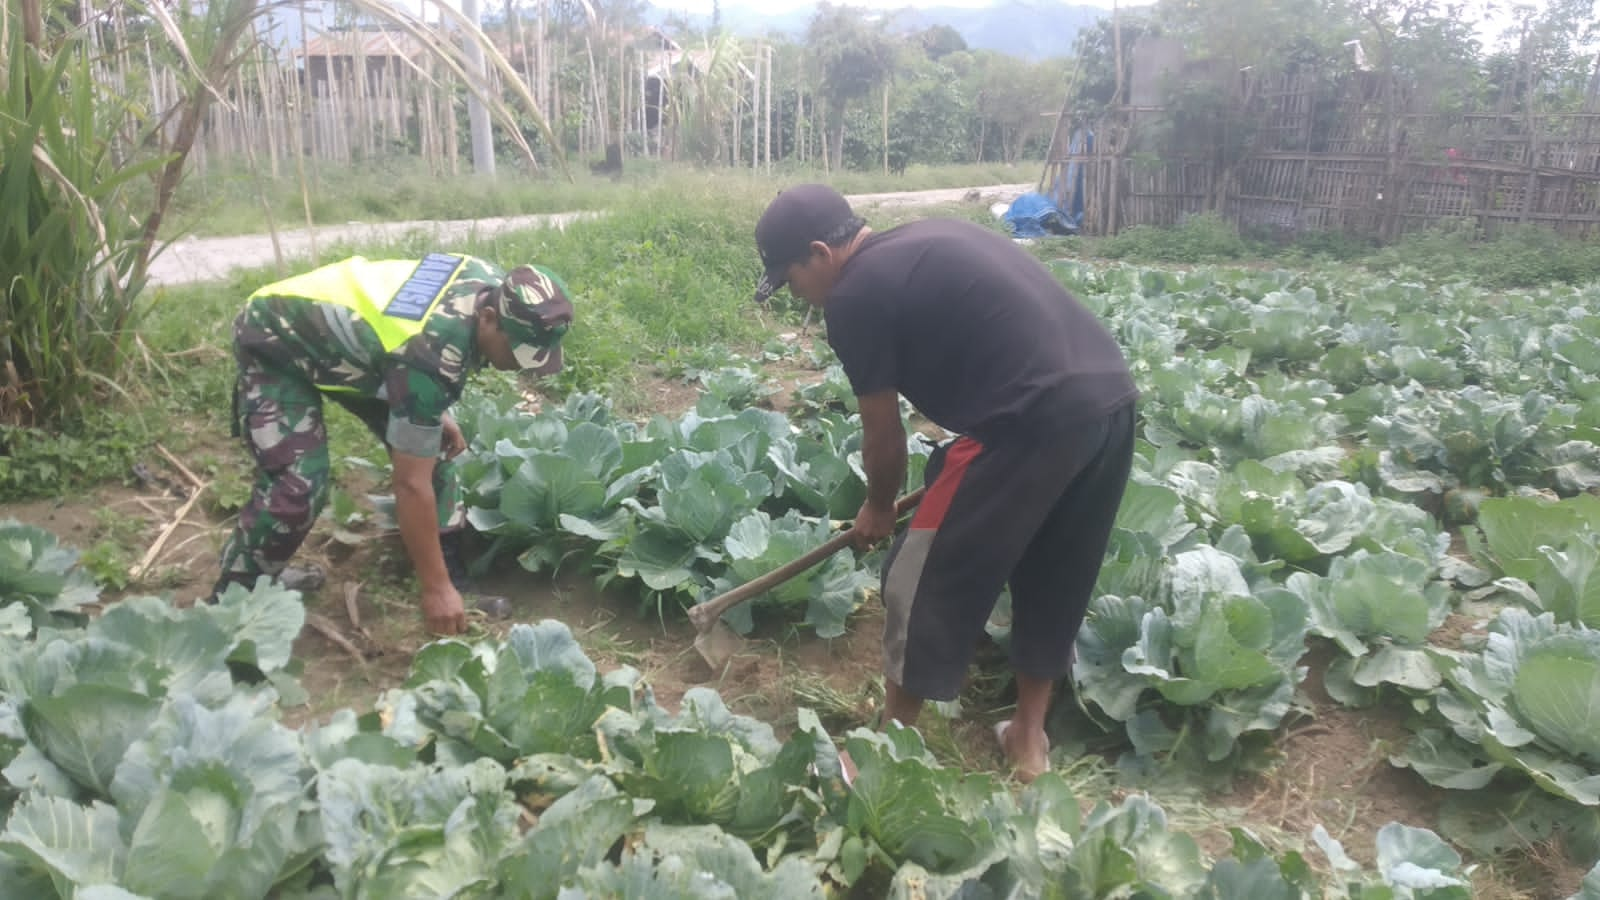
(1319, 160)
(353, 97)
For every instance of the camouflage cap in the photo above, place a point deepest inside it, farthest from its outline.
(534, 313)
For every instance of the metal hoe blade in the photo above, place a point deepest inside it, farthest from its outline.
(718, 645)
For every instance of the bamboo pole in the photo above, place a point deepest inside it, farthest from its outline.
(297, 128)
(755, 113)
(543, 44)
(558, 101)
(1116, 39)
(345, 115)
(519, 39)
(886, 127)
(451, 148)
(427, 129)
(268, 108)
(769, 110)
(800, 114)
(334, 119)
(241, 126)
(622, 94)
(360, 101)
(736, 113)
(255, 169)
(477, 113)
(596, 100)
(327, 140)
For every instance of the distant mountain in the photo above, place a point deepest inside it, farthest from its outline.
(1032, 29)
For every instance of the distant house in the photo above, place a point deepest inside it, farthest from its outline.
(665, 60)
(661, 53)
(337, 54)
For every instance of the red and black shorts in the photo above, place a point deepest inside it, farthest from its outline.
(1035, 515)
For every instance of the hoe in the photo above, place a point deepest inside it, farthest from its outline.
(716, 642)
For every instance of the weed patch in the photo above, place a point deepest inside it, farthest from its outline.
(1205, 238)
(1519, 256)
(99, 447)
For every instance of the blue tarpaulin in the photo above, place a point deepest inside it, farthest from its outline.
(1035, 215)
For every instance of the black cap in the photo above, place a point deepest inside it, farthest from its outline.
(795, 218)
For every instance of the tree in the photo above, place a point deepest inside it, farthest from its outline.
(1013, 102)
(1266, 35)
(1554, 64)
(1098, 78)
(929, 119)
(939, 41)
(856, 58)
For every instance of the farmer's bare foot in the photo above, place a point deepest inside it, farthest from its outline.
(1027, 750)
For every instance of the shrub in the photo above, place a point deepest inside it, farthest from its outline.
(1516, 256)
(1202, 238)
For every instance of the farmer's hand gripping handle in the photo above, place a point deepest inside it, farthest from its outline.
(706, 614)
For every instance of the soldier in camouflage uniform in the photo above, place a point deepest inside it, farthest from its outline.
(392, 341)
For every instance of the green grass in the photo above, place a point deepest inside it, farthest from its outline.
(1199, 239)
(229, 199)
(666, 274)
(922, 177)
(1516, 257)
(661, 281)
(98, 446)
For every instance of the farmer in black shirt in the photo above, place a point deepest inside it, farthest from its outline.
(980, 338)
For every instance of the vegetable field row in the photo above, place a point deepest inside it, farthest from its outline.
(1325, 459)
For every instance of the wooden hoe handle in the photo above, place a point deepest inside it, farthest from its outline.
(706, 614)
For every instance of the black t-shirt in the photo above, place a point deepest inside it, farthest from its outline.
(974, 332)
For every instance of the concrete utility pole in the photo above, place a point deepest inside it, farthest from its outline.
(477, 113)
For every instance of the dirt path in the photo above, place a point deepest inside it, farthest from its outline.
(209, 259)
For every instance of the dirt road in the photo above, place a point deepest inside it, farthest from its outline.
(208, 259)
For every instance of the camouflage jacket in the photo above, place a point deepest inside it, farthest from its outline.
(329, 344)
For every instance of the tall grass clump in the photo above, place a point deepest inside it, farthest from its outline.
(67, 238)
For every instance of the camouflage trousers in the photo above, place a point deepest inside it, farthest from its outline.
(279, 416)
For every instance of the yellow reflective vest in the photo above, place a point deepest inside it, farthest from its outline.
(393, 296)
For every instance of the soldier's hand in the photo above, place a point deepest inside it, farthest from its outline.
(443, 611)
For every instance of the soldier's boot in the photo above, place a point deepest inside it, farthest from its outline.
(307, 579)
(227, 580)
